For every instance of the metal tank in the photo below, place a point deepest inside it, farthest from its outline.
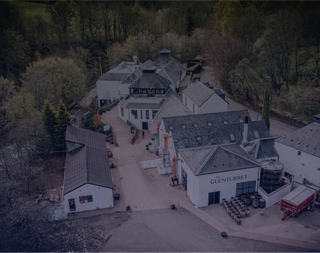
(271, 175)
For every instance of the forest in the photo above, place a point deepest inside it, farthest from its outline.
(50, 52)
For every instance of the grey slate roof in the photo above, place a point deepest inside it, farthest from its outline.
(219, 91)
(134, 102)
(306, 139)
(134, 76)
(262, 148)
(218, 158)
(114, 76)
(89, 162)
(171, 107)
(216, 135)
(174, 70)
(198, 92)
(150, 81)
(218, 118)
(149, 65)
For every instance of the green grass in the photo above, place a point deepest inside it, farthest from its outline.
(33, 8)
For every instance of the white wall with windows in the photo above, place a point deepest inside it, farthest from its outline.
(141, 118)
(88, 197)
(299, 164)
(111, 90)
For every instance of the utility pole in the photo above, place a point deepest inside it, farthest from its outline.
(100, 64)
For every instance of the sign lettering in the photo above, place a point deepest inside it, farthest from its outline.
(218, 180)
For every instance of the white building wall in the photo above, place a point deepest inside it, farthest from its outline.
(127, 115)
(214, 104)
(276, 196)
(227, 189)
(105, 90)
(162, 133)
(301, 166)
(102, 198)
(190, 104)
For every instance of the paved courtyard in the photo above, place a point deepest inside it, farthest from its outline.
(147, 192)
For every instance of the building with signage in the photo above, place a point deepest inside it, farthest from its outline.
(212, 161)
(87, 179)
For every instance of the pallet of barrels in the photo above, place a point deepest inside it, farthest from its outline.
(236, 209)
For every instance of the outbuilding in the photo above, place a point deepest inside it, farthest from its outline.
(87, 180)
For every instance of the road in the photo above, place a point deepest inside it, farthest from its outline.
(277, 128)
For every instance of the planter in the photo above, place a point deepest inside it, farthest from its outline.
(173, 206)
(117, 196)
(224, 234)
(128, 208)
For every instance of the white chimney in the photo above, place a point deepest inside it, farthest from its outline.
(245, 131)
(135, 59)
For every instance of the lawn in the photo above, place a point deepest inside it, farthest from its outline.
(33, 8)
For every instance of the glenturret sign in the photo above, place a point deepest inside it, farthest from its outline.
(227, 179)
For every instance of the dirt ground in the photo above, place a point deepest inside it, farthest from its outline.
(53, 173)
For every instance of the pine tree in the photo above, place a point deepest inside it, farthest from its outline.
(63, 120)
(265, 109)
(49, 117)
(190, 23)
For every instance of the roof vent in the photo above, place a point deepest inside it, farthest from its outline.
(171, 128)
(225, 122)
(256, 134)
(183, 126)
(209, 124)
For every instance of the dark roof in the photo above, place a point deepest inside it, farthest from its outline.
(87, 160)
(164, 59)
(114, 76)
(218, 158)
(202, 120)
(263, 148)
(216, 135)
(198, 93)
(134, 76)
(219, 91)
(85, 137)
(306, 139)
(151, 81)
(149, 65)
(174, 70)
(209, 85)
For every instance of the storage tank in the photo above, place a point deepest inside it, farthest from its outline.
(271, 175)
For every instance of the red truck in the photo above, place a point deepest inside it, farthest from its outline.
(299, 199)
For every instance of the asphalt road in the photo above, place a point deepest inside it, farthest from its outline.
(277, 128)
(166, 230)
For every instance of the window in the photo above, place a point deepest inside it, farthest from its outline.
(121, 112)
(154, 114)
(141, 113)
(232, 138)
(299, 152)
(85, 199)
(209, 124)
(134, 113)
(147, 114)
(185, 100)
(246, 187)
(193, 108)
(256, 134)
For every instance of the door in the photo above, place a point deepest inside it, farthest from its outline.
(214, 198)
(145, 126)
(72, 205)
(184, 180)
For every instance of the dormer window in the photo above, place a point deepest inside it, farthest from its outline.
(232, 138)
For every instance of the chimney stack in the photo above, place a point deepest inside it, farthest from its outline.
(166, 144)
(245, 131)
(174, 167)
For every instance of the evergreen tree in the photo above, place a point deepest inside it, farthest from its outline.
(63, 120)
(265, 109)
(190, 23)
(50, 121)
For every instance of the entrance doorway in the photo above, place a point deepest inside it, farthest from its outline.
(145, 126)
(214, 198)
(72, 205)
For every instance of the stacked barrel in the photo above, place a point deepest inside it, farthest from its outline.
(253, 199)
(236, 209)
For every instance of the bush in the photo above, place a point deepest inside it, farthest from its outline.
(89, 121)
